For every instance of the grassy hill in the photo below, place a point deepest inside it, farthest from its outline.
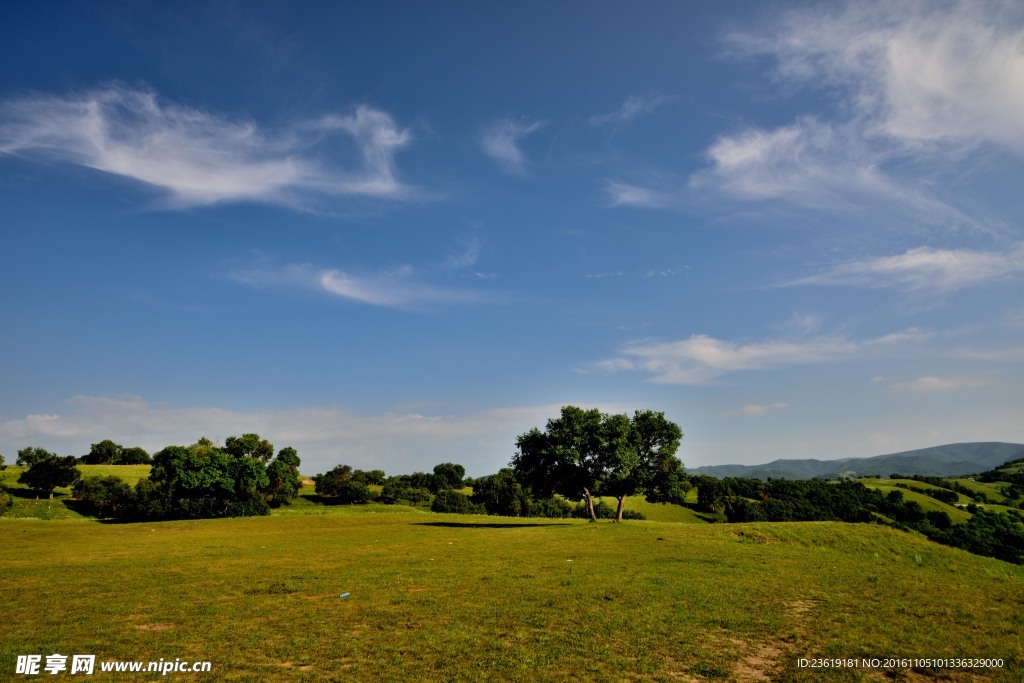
(443, 597)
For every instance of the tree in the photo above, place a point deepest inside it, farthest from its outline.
(134, 456)
(564, 458)
(502, 494)
(330, 483)
(31, 455)
(585, 453)
(249, 446)
(449, 475)
(105, 452)
(639, 457)
(283, 473)
(49, 473)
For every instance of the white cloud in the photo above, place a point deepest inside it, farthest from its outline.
(931, 384)
(702, 358)
(915, 72)
(756, 409)
(926, 268)
(625, 194)
(196, 157)
(631, 108)
(402, 288)
(500, 141)
(400, 442)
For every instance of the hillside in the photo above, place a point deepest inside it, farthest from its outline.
(950, 460)
(357, 595)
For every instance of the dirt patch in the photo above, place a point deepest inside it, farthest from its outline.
(155, 627)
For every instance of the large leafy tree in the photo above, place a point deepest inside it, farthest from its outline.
(49, 473)
(565, 458)
(585, 453)
(646, 463)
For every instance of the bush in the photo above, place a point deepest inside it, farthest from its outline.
(103, 496)
(350, 493)
(453, 502)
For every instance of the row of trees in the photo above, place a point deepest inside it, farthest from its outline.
(202, 480)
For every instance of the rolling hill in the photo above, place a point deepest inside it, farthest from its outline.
(950, 460)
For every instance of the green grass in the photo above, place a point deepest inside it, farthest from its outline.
(471, 598)
(658, 512)
(993, 490)
(130, 474)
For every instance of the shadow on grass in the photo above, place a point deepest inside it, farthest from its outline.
(489, 525)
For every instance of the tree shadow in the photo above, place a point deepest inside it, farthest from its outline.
(489, 525)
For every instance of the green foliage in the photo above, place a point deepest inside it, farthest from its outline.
(585, 453)
(134, 455)
(49, 473)
(105, 452)
(103, 496)
(449, 501)
(502, 494)
(31, 455)
(448, 476)
(329, 484)
(201, 480)
(370, 478)
(283, 476)
(249, 446)
(406, 488)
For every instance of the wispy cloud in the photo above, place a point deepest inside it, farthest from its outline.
(917, 83)
(702, 358)
(757, 409)
(500, 141)
(925, 268)
(198, 158)
(626, 194)
(404, 287)
(915, 72)
(633, 107)
(932, 384)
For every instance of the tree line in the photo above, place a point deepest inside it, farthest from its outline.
(782, 500)
(243, 477)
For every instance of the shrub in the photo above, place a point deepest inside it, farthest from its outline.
(453, 502)
(103, 496)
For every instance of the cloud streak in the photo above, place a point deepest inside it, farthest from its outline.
(402, 288)
(197, 158)
(925, 268)
(702, 358)
(632, 108)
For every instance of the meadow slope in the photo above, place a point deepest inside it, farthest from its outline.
(442, 597)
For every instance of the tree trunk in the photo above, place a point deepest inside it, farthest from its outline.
(618, 513)
(590, 504)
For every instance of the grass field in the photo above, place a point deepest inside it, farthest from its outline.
(444, 597)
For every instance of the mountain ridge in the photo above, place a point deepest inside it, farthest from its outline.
(949, 460)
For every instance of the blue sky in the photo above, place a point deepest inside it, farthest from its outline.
(393, 235)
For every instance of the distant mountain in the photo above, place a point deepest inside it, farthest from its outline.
(952, 460)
